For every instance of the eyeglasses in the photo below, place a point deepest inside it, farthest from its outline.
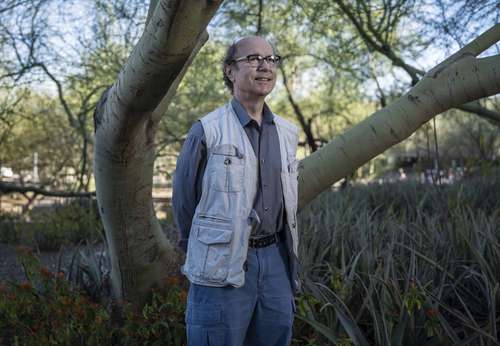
(255, 60)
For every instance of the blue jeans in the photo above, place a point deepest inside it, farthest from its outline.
(259, 313)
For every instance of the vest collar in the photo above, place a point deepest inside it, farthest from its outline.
(244, 118)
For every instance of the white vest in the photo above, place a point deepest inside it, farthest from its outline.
(218, 239)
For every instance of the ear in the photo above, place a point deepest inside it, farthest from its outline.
(229, 73)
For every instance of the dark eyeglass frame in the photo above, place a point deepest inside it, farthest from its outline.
(272, 60)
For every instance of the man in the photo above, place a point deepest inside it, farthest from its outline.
(235, 203)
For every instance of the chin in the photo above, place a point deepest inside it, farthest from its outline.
(264, 92)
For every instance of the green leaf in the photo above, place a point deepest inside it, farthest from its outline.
(321, 328)
(398, 336)
(351, 328)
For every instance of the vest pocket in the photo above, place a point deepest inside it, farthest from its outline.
(212, 251)
(226, 166)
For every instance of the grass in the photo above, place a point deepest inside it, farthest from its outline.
(396, 264)
(402, 264)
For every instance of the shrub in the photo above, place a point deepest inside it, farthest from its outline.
(402, 263)
(48, 228)
(47, 309)
(8, 228)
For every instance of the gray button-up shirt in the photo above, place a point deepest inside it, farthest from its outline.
(191, 165)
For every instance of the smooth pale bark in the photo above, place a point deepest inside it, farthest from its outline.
(459, 79)
(126, 119)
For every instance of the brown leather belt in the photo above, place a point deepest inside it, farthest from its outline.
(264, 241)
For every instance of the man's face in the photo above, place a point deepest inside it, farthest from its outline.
(249, 81)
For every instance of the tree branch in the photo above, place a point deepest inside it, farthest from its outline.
(60, 94)
(163, 105)
(381, 46)
(13, 188)
(474, 107)
(460, 79)
(306, 127)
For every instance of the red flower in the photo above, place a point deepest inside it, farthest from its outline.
(432, 313)
(66, 301)
(413, 284)
(24, 250)
(172, 281)
(25, 285)
(46, 273)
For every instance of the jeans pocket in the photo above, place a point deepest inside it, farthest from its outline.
(204, 324)
(203, 314)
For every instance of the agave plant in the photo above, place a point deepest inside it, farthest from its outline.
(403, 264)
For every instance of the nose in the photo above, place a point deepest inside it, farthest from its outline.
(261, 65)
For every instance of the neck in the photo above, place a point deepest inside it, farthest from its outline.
(253, 106)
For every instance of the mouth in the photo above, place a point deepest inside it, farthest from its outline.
(263, 79)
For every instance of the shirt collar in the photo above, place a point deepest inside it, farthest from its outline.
(244, 118)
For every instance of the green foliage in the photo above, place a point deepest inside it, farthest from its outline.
(37, 126)
(402, 264)
(49, 228)
(334, 76)
(47, 309)
(201, 91)
(8, 228)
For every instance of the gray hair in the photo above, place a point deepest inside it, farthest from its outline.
(228, 59)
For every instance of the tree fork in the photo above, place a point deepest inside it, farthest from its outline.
(125, 122)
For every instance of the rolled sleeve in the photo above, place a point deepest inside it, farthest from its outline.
(187, 182)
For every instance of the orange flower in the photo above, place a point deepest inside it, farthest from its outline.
(413, 284)
(431, 313)
(66, 301)
(80, 314)
(46, 273)
(25, 285)
(172, 281)
(24, 250)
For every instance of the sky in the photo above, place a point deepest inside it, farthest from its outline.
(72, 24)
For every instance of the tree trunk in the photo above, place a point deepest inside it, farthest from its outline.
(459, 79)
(125, 122)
